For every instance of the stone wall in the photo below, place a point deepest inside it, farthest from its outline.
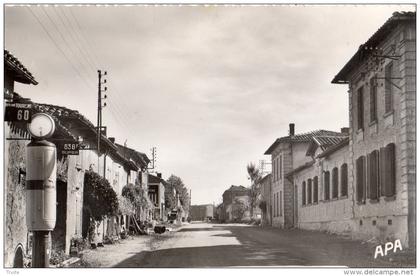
(16, 232)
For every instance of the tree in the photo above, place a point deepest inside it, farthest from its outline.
(255, 189)
(239, 208)
(175, 182)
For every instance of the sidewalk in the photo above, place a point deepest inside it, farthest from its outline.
(112, 254)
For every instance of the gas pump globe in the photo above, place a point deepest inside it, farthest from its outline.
(42, 126)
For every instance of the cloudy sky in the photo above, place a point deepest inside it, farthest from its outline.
(211, 87)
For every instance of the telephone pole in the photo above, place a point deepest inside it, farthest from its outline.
(100, 106)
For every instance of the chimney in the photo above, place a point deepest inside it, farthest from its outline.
(159, 175)
(291, 129)
(345, 130)
(112, 139)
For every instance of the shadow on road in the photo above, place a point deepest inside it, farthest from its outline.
(210, 256)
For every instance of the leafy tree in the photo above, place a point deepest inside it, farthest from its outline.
(255, 189)
(99, 199)
(239, 207)
(170, 199)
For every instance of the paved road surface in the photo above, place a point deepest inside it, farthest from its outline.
(221, 245)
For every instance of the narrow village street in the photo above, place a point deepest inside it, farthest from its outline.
(238, 245)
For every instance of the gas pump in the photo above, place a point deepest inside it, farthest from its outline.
(41, 167)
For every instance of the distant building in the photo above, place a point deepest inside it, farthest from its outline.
(236, 204)
(202, 212)
(156, 192)
(288, 153)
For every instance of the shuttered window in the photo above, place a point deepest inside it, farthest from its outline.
(326, 185)
(361, 179)
(316, 189)
(373, 99)
(303, 193)
(373, 175)
(360, 108)
(309, 191)
(344, 180)
(387, 170)
(335, 183)
(388, 87)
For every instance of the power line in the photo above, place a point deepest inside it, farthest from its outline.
(56, 45)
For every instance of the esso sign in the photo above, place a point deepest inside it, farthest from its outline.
(41, 160)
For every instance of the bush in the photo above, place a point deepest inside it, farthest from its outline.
(58, 257)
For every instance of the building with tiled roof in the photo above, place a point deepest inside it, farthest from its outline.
(304, 137)
(381, 78)
(374, 43)
(287, 154)
(319, 144)
(15, 71)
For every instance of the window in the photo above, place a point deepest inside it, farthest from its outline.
(316, 189)
(373, 175)
(360, 108)
(387, 170)
(303, 193)
(361, 179)
(281, 206)
(388, 87)
(278, 205)
(335, 183)
(326, 185)
(344, 180)
(309, 191)
(373, 99)
(278, 168)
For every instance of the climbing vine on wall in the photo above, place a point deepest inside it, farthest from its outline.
(99, 199)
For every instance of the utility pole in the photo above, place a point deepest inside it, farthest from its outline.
(100, 106)
(99, 131)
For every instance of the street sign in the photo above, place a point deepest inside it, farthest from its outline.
(18, 112)
(71, 148)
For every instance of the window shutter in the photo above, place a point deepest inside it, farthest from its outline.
(327, 185)
(303, 193)
(309, 191)
(388, 87)
(316, 189)
(374, 178)
(390, 170)
(335, 183)
(344, 185)
(373, 99)
(369, 173)
(360, 108)
(361, 181)
(382, 170)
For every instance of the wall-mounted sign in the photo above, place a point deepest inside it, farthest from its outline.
(18, 112)
(71, 148)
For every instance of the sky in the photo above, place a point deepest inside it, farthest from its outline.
(211, 87)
